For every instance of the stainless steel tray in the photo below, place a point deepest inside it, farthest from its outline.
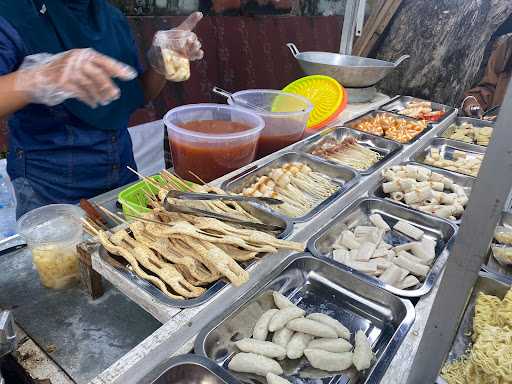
(441, 230)
(399, 103)
(386, 148)
(121, 265)
(477, 123)
(352, 123)
(188, 369)
(446, 148)
(463, 180)
(345, 177)
(489, 284)
(492, 263)
(315, 285)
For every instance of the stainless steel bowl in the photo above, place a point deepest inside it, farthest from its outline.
(350, 71)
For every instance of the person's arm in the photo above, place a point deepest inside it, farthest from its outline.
(153, 79)
(10, 99)
(482, 94)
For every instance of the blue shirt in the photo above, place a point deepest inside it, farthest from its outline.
(63, 158)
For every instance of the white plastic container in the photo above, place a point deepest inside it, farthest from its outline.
(211, 140)
(285, 121)
(52, 234)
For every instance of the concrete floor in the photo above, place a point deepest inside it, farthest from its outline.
(82, 336)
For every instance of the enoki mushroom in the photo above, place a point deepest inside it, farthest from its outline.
(297, 185)
(347, 152)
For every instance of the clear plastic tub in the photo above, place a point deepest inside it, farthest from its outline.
(285, 120)
(211, 140)
(52, 234)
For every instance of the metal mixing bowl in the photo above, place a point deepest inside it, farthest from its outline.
(350, 71)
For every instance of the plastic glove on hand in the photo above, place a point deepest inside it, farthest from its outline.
(82, 74)
(172, 50)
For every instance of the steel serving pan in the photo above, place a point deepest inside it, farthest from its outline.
(446, 149)
(356, 214)
(488, 283)
(345, 177)
(315, 285)
(400, 102)
(352, 124)
(492, 264)
(385, 147)
(188, 369)
(350, 71)
(122, 266)
(464, 181)
(476, 123)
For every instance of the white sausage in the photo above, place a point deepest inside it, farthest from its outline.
(264, 348)
(281, 301)
(376, 236)
(420, 251)
(331, 345)
(379, 222)
(408, 230)
(403, 247)
(296, 346)
(312, 327)
(429, 246)
(283, 316)
(340, 329)
(282, 337)
(363, 354)
(382, 263)
(328, 361)
(252, 363)
(274, 379)
(363, 266)
(260, 331)
(418, 195)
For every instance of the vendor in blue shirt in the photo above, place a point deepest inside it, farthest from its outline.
(70, 78)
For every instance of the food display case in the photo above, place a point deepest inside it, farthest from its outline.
(403, 325)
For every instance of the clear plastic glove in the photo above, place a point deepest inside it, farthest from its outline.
(172, 50)
(82, 74)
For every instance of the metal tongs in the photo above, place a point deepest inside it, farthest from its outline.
(203, 213)
(213, 196)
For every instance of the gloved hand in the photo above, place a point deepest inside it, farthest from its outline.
(83, 74)
(172, 50)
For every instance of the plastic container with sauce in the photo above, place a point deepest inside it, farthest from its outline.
(211, 140)
(52, 233)
(285, 120)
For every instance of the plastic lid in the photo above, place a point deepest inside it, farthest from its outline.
(51, 224)
(326, 95)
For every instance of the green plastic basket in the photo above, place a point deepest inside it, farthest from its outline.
(134, 200)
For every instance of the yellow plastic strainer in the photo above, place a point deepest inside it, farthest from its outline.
(325, 93)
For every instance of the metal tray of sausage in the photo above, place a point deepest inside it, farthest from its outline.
(399, 103)
(492, 264)
(123, 267)
(447, 147)
(385, 147)
(315, 285)
(188, 369)
(464, 181)
(358, 213)
(345, 177)
(352, 124)
(488, 283)
(476, 123)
